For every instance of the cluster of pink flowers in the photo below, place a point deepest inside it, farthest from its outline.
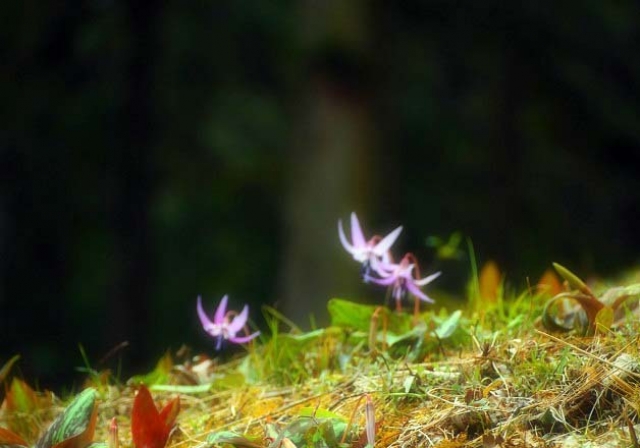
(378, 266)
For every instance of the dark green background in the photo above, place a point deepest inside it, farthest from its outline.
(152, 151)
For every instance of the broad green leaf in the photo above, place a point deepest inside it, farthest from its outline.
(516, 321)
(347, 314)
(181, 389)
(73, 428)
(407, 383)
(449, 326)
(229, 380)
(159, 375)
(306, 336)
(312, 411)
(315, 432)
(392, 339)
(232, 438)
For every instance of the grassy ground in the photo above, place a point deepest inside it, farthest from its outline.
(507, 370)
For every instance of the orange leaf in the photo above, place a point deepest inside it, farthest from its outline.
(549, 284)
(148, 428)
(8, 437)
(489, 280)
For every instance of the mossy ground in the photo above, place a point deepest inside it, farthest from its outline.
(491, 375)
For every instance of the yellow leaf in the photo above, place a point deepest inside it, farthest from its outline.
(489, 281)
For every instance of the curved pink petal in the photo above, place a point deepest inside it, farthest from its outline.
(343, 239)
(405, 271)
(243, 339)
(238, 321)
(382, 281)
(221, 311)
(204, 319)
(428, 279)
(413, 289)
(382, 268)
(357, 237)
(385, 243)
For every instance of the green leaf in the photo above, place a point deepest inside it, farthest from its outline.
(449, 326)
(347, 314)
(159, 375)
(305, 337)
(231, 438)
(604, 320)
(315, 432)
(350, 315)
(181, 389)
(574, 281)
(312, 411)
(73, 428)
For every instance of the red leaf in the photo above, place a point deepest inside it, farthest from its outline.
(149, 428)
(170, 412)
(8, 437)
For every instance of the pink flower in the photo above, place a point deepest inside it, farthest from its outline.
(223, 327)
(370, 253)
(400, 276)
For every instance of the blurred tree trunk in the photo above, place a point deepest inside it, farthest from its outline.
(330, 155)
(133, 186)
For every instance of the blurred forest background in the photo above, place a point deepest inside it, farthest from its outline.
(152, 151)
